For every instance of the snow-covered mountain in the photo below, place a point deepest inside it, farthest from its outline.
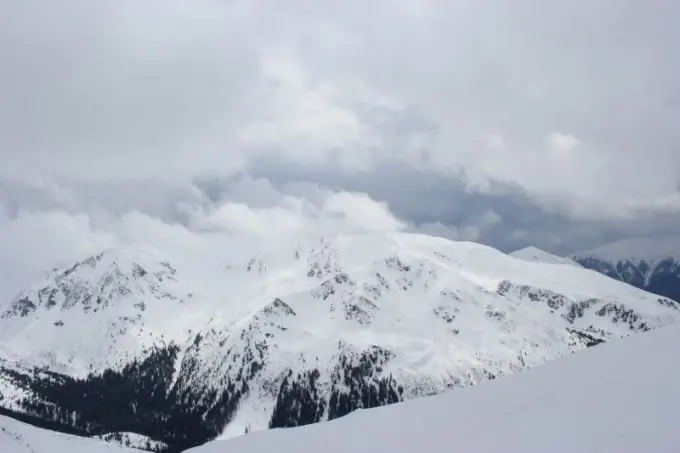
(619, 397)
(537, 255)
(185, 352)
(652, 264)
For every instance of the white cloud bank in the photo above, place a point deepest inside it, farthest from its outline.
(36, 241)
(552, 122)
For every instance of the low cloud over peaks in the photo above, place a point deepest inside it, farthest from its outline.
(166, 122)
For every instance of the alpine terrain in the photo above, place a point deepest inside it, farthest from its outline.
(616, 398)
(620, 397)
(129, 346)
(652, 264)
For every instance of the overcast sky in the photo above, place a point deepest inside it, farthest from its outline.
(508, 122)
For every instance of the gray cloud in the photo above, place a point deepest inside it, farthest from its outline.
(510, 123)
(431, 201)
(160, 89)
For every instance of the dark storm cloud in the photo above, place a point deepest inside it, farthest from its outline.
(424, 197)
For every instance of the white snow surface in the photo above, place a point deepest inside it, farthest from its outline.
(18, 437)
(434, 304)
(635, 250)
(620, 397)
(537, 255)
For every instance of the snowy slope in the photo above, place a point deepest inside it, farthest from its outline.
(616, 398)
(17, 437)
(185, 352)
(652, 264)
(540, 256)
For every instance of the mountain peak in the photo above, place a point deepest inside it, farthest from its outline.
(98, 311)
(535, 254)
(94, 282)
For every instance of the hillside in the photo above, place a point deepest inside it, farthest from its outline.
(618, 397)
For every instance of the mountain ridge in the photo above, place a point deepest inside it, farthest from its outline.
(297, 335)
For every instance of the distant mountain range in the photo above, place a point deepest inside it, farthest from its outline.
(129, 346)
(652, 264)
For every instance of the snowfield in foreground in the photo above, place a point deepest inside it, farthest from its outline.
(620, 397)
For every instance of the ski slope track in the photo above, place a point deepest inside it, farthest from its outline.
(652, 264)
(181, 353)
